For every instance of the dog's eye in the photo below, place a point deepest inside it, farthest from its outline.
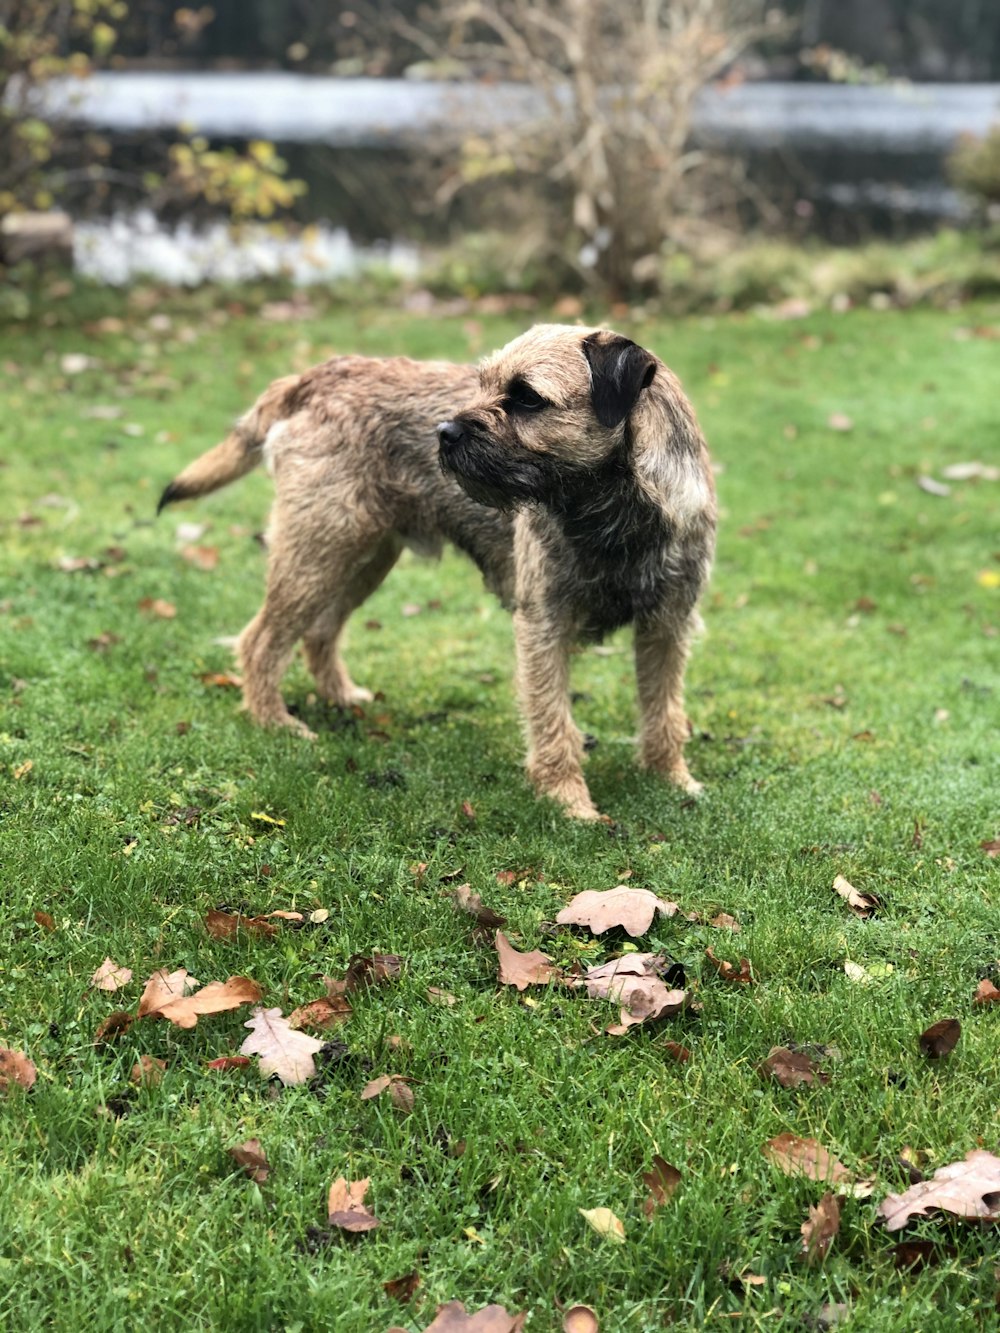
(523, 398)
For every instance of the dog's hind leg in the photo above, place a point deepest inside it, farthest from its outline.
(321, 639)
(660, 656)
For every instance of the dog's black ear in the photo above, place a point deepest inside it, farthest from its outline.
(620, 370)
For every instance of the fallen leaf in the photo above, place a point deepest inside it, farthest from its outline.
(522, 969)
(110, 976)
(728, 971)
(45, 920)
(676, 1051)
(21, 771)
(934, 487)
(792, 1068)
(970, 1189)
(262, 817)
(662, 1182)
(156, 606)
(148, 1071)
(467, 901)
(321, 1014)
(861, 904)
(986, 993)
(438, 996)
(166, 997)
(202, 557)
(839, 421)
(807, 1157)
(225, 1062)
(451, 1318)
(723, 921)
(819, 1229)
(224, 680)
(371, 970)
(580, 1319)
(602, 909)
(605, 1223)
(16, 1070)
(468, 810)
(282, 1050)
(916, 1255)
(345, 1206)
(875, 972)
(250, 1156)
(113, 1027)
(402, 1288)
(991, 847)
(227, 925)
(941, 1038)
(400, 1092)
(634, 981)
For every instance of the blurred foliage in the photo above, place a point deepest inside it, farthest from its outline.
(974, 166)
(252, 184)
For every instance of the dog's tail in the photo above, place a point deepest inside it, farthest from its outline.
(240, 452)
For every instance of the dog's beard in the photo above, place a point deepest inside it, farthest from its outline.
(498, 477)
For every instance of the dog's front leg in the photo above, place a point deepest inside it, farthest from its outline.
(555, 745)
(660, 656)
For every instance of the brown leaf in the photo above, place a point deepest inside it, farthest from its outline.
(373, 970)
(580, 1319)
(468, 810)
(986, 993)
(110, 976)
(467, 901)
(919, 1254)
(345, 1206)
(861, 904)
(941, 1038)
(44, 920)
(16, 1070)
(156, 606)
(164, 997)
(806, 1157)
(321, 1014)
(223, 680)
(991, 846)
(282, 1050)
(402, 1288)
(676, 1051)
(398, 1087)
(148, 1071)
(451, 1318)
(662, 1182)
(223, 1063)
(728, 971)
(819, 1229)
(601, 910)
(227, 925)
(250, 1156)
(202, 557)
(970, 1189)
(634, 982)
(723, 921)
(792, 1068)
(113, 1027)
(522, 969)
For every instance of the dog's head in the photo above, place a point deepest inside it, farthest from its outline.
(553, 403)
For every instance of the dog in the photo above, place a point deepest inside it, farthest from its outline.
(570, 467)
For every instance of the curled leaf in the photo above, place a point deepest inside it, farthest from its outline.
(16, 1070)
(633, 910)
(605, 1223)
(941, 1038)
(969, 1189)
(522, 969)
(346, 1208)
(250, 1156)
(820, 1227)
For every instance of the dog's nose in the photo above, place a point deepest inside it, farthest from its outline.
(450, 432)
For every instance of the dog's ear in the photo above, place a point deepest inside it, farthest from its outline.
(620, 369)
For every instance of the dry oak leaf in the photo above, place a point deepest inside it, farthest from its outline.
(164, 997)
(729, 971)
(986, 993)
(227, 925)
(634, 982)
(970, 1188)
(398, 1087)
(114, 1026)
(723, 921)
(45, 920)
(282, 1050)
(16, 1070)
(603, 909)
(580, 1319)
(222, 1063)
(522, 969)
(820, 1227)
(605, 1223)
(662, 1182)
(365, 970)
(345, 1206)
(991, 846)
(940, 1038)
(110, 976)
(467, 901)
(792, 1068)
(402, 1288)
(156, 606)
(250, 1156)
(806, 1157)
(321, 1014)
(861, 904)
(451, 1318)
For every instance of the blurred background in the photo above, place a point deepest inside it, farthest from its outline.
(681, 154)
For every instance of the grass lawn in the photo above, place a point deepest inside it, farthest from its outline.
(846, 714)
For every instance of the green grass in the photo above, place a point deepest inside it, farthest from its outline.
(142, 1220)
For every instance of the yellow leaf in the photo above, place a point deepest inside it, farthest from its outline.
(604, 1223)
(262, 818)
(988, 578)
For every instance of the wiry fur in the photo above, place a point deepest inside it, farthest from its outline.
(587, 510)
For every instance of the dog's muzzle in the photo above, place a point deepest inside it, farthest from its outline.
(451, 436)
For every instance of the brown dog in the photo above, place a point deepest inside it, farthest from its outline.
(570, 468)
